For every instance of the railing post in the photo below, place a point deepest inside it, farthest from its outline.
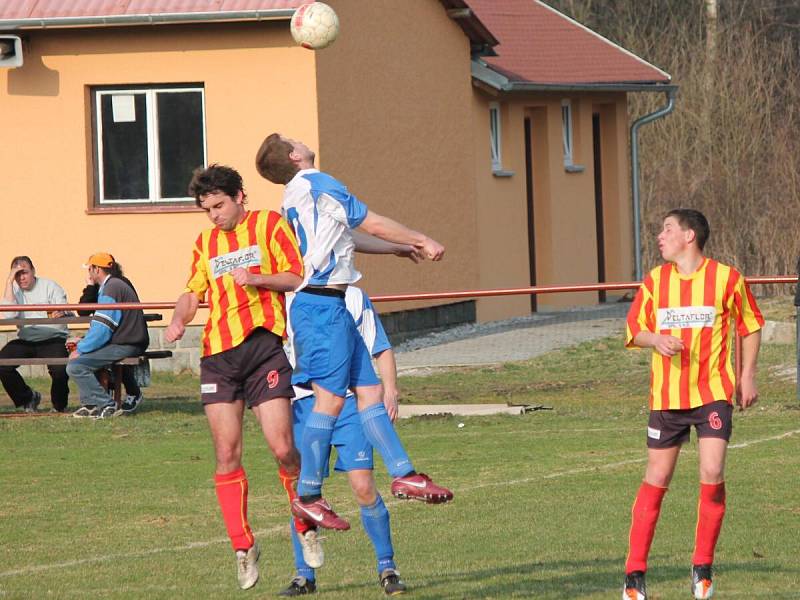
(797, 330)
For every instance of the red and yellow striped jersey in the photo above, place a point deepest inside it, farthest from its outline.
(262, 243)
(699, 309)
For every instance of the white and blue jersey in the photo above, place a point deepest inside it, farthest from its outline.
(352, 448)
(322, 212)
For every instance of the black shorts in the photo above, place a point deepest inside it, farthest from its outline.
(255, 371)
(670, 428)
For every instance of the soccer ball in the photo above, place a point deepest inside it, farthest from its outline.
(314, 25)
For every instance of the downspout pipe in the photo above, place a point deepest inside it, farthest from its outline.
(637, 212)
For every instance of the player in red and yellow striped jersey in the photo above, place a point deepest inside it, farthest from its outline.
(686, 311)
(245, 264)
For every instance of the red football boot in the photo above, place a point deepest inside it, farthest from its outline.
(419, 486)
(318, 513)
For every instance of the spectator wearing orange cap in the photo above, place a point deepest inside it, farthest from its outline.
(113, 335)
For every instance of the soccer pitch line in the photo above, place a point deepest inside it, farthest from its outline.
(278, 528)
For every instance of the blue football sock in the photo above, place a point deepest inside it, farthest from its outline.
(381, 434)
(300, 567)
(315, 451)
(375, 519)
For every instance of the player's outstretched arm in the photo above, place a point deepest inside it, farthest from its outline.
(369, 244)
(392, 231)
(748, 394)
(185, 309)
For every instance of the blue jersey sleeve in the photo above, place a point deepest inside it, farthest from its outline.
(381, 342)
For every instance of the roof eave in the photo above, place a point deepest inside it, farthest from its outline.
(146, 19)
(488, 76)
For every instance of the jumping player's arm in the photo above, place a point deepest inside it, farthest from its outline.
(189, 300)
(392, 231)
(185, 310)
(387, 370)
(371, 330)
(369, 244)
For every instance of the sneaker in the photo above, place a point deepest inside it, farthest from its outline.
(107, 412)
(247, 566)
(391, 583)
(419, 486)
(300, 586)
(85, 411)
(702, 585)
(33, 405)
(312, 548)
(634, 587)
(132, 403)
(318, 513)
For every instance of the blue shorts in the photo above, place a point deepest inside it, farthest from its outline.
(353, 451)
(328, 348)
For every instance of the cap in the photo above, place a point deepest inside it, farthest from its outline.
(100, 259)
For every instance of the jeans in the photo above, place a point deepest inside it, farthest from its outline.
(82, 370)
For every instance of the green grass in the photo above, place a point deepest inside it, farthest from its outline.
(125, 508)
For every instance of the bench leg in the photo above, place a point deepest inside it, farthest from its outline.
(117, 385)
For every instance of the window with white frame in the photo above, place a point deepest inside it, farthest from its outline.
(148, 140)
(566, 130)
(494, 136)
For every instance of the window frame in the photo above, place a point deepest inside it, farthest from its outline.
(567, 137)
(155, 203)
(495, 136)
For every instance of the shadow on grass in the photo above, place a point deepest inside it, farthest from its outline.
(171, 405)
(571, 579)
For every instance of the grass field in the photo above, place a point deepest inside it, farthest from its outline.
(125, 508)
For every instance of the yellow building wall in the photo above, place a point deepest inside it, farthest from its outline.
(256, 80)
(564, 203)
(395, 126)
(502, 210)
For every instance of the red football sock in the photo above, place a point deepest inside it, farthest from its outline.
(644, 516)
(710, 512)
(232, 497)
(289, 483)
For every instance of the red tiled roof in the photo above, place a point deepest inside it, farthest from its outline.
(46, 9)
(540, 45)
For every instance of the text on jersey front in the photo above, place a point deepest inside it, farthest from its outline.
(686, 317)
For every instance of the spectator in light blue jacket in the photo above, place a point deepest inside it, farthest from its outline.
(113, 335)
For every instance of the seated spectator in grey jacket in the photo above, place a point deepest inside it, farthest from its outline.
(113, 334)
(34, 341)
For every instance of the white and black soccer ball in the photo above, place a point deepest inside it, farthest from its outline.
(314, 25)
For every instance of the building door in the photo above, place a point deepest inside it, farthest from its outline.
(598, 203)
(529, 193)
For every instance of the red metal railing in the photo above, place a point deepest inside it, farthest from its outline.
(540, 289)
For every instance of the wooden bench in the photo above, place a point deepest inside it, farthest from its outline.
(116, 367)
